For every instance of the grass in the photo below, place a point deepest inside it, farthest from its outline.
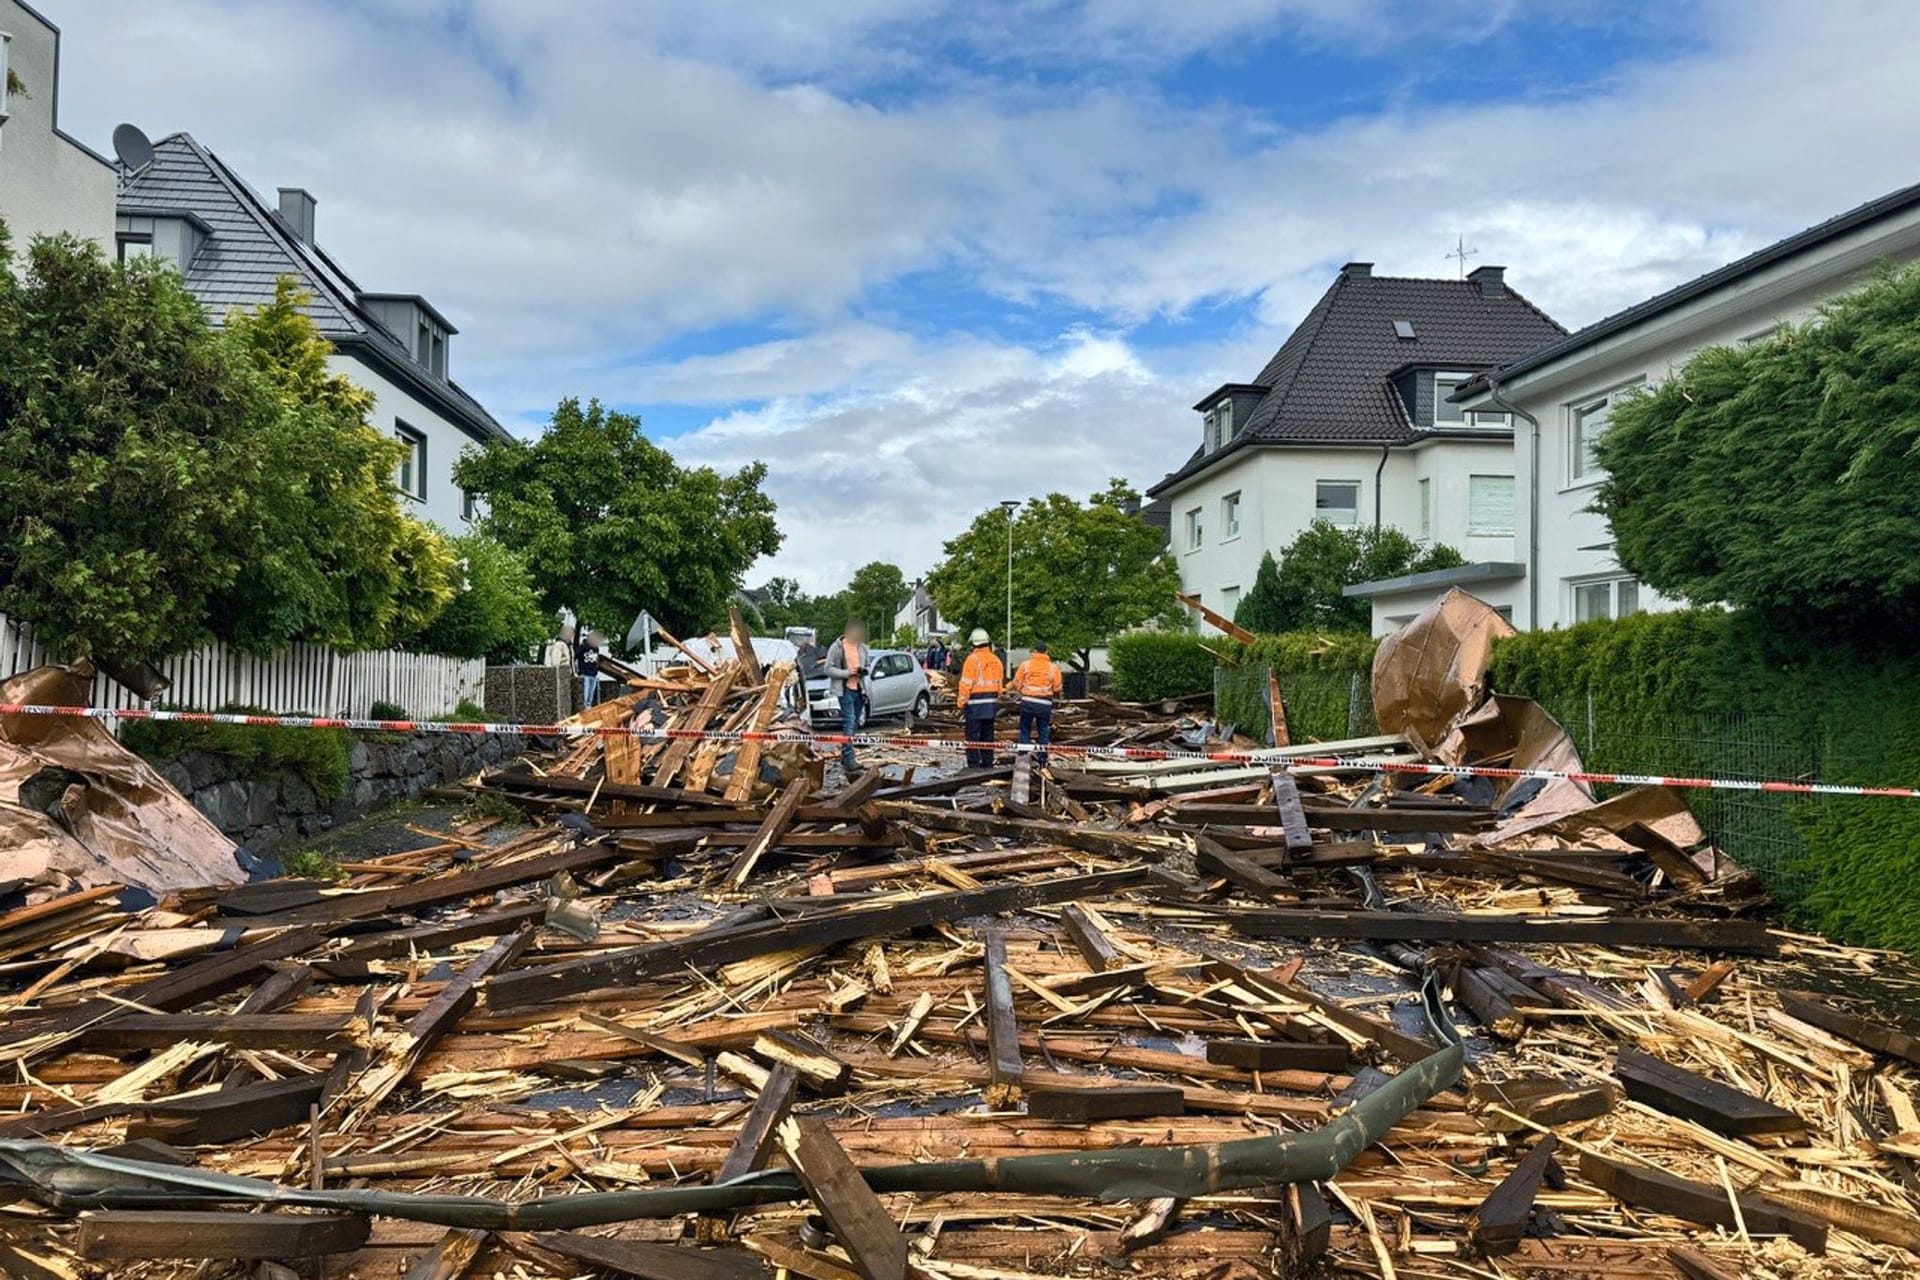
(311, 864)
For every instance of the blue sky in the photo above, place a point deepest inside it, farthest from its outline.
(919, 255)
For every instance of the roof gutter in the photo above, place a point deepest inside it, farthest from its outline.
(1499, 398)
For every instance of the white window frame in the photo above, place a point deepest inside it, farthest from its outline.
(6, 98)
(1319, 510)
(1440, 401)
(1425, 488)
(1617, 587)
(1230, 516)
(1607, 401)
(410, 477)
(469, 505)
(1480, 530)
(1196, 530)
(1229, 601)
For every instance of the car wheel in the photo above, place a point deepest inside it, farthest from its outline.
(922, 705)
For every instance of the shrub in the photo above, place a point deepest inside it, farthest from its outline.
(387, 711)
(320, 756)
(311, 864)
(1151, 665)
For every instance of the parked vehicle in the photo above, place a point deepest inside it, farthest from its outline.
(896, 685)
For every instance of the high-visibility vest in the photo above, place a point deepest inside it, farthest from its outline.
(981, 676)
(1037, 679)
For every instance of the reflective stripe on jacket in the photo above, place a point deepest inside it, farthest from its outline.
(981, 676)
(1037, 679)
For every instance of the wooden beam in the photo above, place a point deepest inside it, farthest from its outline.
(1003, 1031)
(242, 1111)
(1410, 926)
(746, 761)
(642, 1260)
(1094, 946)
(878, 1250)
(1683, 1093)
(1106, 1102)
(163, 1233)
(294, 1032)
(743, 653)
(778, 820)
(1868, 1034)
(1496, 1226)
(1293, 818)
(755, 1141)
(1701, 1202)
(1277, 1055)
(450, 1257)
(1233, 630)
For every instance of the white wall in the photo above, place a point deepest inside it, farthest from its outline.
(48, 182)
(1574, 544)
(1448, 466)
(445, 440)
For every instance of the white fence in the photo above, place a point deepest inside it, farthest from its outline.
(303, 678)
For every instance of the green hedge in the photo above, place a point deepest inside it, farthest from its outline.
(1707, 692)
(1316, 671)
(1151, 665)
(321, 756)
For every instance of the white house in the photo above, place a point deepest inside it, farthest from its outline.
(1563, 394)
(1351, 423)
(49, 182)
(232, 248)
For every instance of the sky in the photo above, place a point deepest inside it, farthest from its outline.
(923, 255)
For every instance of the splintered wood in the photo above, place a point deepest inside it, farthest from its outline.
(723, 969)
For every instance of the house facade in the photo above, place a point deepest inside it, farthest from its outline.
(920, 612)
(49, 182)
(1562, 396)
(1352, 422)
(232, 247)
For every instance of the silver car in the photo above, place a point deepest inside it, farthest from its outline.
(896, 685)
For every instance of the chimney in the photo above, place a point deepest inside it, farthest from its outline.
(1492, 280)
(1357, 271)
(296, 208)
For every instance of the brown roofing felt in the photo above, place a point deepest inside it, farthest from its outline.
(1330, 378)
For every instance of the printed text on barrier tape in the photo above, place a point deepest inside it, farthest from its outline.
(902, 740)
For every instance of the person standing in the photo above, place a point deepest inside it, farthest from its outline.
(981, 678)
(586, 664)
(937, 655)
(1036, 682)
(847, 676)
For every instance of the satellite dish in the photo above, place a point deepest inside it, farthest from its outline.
(131, 145)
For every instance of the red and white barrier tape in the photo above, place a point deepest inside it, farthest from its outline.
(912, 741)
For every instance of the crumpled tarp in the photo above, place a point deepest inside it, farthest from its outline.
(1434, 669)
(77, 808)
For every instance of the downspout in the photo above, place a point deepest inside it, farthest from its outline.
(1533, 501)
(1378, 472)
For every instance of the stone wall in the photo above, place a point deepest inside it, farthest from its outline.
(263, 811)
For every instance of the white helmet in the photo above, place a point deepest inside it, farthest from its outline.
(979, 637)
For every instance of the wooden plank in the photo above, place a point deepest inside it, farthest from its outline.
(1293, 819)
(1701, 1202)
(813, 1062)
(241, 1111)
(1093, 945)
(777, 822)
(1277, 1055)
(1113, 844)
(1877, 1036)
(1496, 1226)
(644, 1260)
(1003, 1031)
(1683, 1093)
(164, 1233)
(948, 785)
(746, 760)
(878, 1250)
(1107, 1102)
(826, 928)
(1695, 1265)
(695, 718)
(754, 1143)
(293, 1032)
(743, 653)
(1233, 630)
(1277, 733)
(450, 1257)
(1215, 859)
(1410, 926)
(1386, 821)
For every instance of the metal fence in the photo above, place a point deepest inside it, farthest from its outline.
(1321, 705)
(303, 678)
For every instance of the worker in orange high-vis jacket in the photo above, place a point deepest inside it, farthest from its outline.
(1037, 682)
(982, 676)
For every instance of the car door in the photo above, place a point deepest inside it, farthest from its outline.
(891, 694)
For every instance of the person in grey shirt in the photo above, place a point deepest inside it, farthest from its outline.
(846, 668)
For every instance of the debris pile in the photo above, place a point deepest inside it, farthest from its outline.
(716, 1013)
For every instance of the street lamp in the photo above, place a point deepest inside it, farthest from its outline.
(1009, 505)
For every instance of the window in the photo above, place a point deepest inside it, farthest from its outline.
(412, 476)
(131, 246)
(1194, 531)
(1337, 501)
(1229, 601)
(893, 664)
(1606, 598)
(1444, 413)
(1219, 425)
(469, 505)
(1589, 424)
(1489, 418)
(1426, 509)
(439, 363)
(1229, 517)
(1490, 506)
(1403, 330)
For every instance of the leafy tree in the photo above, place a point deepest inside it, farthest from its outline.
(494, 612)
(874, 596)
(1315, 566)
(327, 553)
(122, 418)
(1081, 572)
(1264, 608)
(609, 524)
(1783, 476)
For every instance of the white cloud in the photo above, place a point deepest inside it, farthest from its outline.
(577, 182)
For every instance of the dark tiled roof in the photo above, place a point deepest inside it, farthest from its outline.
(1330, 378)
(1861, 215)
(249, 248)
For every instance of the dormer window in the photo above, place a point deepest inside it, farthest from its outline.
(1445, 412)
(1219, 425)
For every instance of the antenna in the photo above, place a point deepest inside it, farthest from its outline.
(132, 147)
(1462, 250)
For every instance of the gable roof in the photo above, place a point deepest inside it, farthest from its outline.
(249, 247)
(1330, 381)
(1894, 202)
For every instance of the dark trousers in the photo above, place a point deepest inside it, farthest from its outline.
(980, 729)
(1036, 726)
